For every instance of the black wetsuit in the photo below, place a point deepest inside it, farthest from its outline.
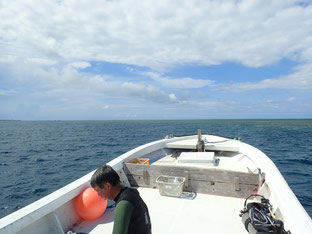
(131, 213)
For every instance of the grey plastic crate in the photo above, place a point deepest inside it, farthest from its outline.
(170, 185)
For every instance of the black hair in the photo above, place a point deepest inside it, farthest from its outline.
(103, 175)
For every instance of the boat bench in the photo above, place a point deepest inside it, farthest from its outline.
(200, 180)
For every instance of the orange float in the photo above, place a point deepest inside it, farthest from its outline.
(89, 205)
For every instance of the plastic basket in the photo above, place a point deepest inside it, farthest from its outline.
(144, 161)
(170, 185)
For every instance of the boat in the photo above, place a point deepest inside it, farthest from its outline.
(199, 183)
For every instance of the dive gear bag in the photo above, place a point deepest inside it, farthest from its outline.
(258, 217)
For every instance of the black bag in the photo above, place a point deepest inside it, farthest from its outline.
(259, 219)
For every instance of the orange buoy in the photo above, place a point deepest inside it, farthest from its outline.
(89, 205)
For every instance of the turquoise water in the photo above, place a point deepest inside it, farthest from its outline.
(36, 158)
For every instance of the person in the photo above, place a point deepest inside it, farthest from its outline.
(131, 213)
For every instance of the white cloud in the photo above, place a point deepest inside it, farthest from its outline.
(157, 34)
(300, 79)
(65, 81)
(178, 83)
(173, 97)
(7, 92)
(146, 92)
(64, 100)
(41, 61)
(80, 65)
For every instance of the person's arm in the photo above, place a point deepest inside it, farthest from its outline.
(123, 212)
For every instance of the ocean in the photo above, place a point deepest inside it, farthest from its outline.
(39, 157)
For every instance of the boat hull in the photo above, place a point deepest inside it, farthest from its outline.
(55, 212)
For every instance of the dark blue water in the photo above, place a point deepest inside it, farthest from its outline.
(36, 158)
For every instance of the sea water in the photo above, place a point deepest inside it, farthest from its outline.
(39, 157)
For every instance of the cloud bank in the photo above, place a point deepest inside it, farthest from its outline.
(48, 48)
(157, 34)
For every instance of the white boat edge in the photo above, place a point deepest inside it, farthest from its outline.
(295, 216)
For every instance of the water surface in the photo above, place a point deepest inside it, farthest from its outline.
(36, 158)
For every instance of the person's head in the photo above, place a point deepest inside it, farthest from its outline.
(105, 180)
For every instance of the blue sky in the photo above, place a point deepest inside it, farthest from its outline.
(197, 59)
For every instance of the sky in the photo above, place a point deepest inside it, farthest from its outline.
(164, 59)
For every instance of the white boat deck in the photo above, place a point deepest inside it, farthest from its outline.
(185, 215)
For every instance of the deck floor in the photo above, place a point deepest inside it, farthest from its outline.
(202, 214)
